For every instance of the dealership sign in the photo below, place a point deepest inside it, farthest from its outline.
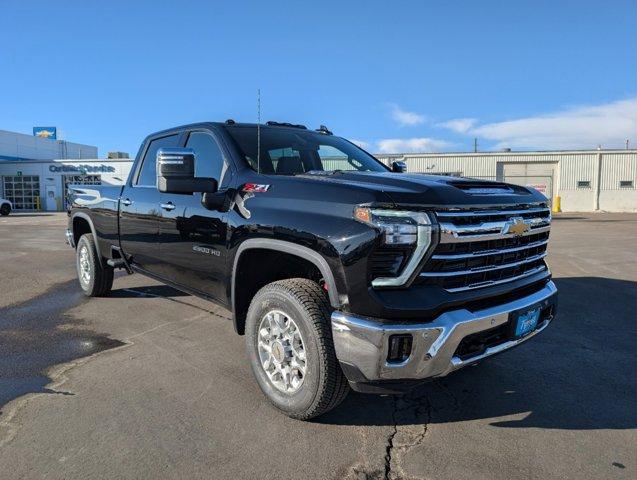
(83, 169)
(46, 132)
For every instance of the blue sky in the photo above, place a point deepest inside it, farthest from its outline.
(395, 76)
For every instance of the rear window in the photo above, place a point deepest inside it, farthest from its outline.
(292, 151)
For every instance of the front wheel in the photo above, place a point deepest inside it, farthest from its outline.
(289, 344)
(96, 278)
(5, 209)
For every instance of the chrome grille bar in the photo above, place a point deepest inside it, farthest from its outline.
(489, 283)
(484, 269)
(491, 213)
(484, 253)
(451, 233)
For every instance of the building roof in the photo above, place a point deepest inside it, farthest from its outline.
(505, 153)
(71, 160)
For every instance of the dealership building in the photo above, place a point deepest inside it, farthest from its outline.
(41, 184)
(577, 181)
(35, 170)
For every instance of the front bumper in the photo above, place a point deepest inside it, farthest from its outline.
(362, 344)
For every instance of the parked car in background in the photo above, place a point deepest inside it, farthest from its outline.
(5, 207)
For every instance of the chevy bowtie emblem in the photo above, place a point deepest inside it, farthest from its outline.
(515, 226)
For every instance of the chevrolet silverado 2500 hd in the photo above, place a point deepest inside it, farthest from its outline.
(340, 272)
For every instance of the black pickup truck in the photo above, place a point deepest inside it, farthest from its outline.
(340, 272)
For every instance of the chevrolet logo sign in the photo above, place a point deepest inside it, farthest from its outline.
(515, 226)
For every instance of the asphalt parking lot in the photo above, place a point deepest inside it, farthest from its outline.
(153, 383)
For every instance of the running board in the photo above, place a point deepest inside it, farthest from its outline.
(119, 262)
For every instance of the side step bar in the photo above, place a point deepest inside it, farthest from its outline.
(120, 262)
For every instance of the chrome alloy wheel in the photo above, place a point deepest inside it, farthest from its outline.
(85, 265)
(281, 351)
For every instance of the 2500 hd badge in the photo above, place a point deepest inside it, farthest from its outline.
(207, 250)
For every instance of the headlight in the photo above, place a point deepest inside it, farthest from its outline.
(399, 228)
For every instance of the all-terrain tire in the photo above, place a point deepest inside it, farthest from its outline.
(5, 209)
(324, 385)
(95, 276)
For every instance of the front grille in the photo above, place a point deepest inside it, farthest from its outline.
(479, 248)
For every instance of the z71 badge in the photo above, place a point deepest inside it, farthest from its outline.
(255, 187)
(244, 194)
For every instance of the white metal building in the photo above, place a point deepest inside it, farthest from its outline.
(19, 146)
(41, 184)
(585, 180)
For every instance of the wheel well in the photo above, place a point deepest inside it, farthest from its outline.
(257, 267)
(80, 227)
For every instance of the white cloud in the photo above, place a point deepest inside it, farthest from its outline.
(608, 124)
(404, 117)
(360, 143)
(460, 125)
(410, 145)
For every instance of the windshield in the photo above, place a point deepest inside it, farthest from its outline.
(288, 151)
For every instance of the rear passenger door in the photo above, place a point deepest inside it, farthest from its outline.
(139, 208)
(192, 238)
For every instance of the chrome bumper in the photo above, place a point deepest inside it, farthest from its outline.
(363, 343)
(69, 238)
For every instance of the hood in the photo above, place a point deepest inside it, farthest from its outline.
(431, 190)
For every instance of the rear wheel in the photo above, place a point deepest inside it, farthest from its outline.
(289, 344)
(5, 209)
(96, 278)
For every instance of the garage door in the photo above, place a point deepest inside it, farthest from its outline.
(22, 191)
(540, 176)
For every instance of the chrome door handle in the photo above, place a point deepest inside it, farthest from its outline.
(167, 206)
(127, 202)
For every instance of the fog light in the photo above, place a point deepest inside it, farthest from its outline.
(399, 348)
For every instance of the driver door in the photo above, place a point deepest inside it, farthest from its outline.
(140, 214)
(192, 239)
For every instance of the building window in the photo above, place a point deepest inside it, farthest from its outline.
(23, 191)
(625, 184)
(79, 180)
(584, 184)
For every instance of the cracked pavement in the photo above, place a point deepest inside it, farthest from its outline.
(178, 400)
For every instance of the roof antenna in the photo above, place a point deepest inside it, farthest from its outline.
(258, 130)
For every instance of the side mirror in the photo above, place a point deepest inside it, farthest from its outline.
(398, 166)
(176, 172)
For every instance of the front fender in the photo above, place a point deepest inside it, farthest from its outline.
(294, 249)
